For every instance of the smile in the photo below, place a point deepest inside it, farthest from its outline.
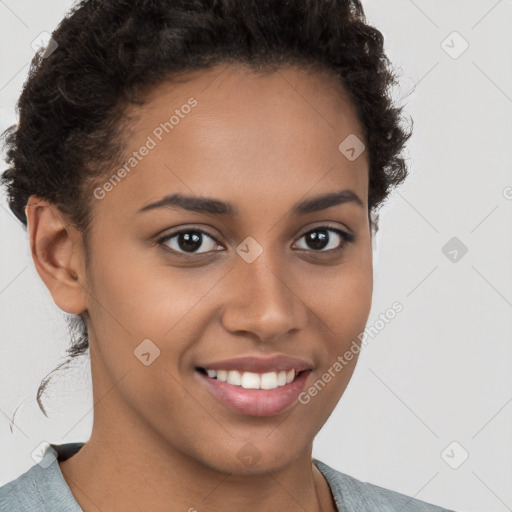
(252, 393)
(251, 380)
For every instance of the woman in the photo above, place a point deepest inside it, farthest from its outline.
(200, 182)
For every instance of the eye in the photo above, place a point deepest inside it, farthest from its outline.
(188, 241)
(321, 239)
(191, 241)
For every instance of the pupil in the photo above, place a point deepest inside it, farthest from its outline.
(318, 241)
(190, 240)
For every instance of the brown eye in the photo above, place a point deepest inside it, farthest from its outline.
(189, 241)
(326, 239)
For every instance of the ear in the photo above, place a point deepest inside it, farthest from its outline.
(58, 255)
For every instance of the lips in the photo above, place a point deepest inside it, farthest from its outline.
(256, 386)
(259, 365)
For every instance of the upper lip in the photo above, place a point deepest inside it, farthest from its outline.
(259, 364)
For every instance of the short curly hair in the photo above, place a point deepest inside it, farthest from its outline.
(107, 55)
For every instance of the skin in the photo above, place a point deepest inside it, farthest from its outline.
(160, 440)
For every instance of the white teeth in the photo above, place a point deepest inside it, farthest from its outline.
(269, 380)
(234, 378)
(251, 380)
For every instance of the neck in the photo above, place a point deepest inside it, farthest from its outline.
(127, 466)
(122, 475)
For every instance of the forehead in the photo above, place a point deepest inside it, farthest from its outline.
(231, 133)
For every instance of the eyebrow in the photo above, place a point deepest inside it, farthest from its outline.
(217, 207)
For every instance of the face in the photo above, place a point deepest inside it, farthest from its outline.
(186, 293)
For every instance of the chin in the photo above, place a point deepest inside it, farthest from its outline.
(245, 458)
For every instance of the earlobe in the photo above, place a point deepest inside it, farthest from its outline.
(57, 253)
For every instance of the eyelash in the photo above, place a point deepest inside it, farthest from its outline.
(347, 238)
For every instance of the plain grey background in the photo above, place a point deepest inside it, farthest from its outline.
(428, 411)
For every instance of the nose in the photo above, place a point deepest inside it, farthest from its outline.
(262, 301)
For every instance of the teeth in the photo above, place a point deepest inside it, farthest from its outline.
(269, 380)
(234, 378)
(250, 380)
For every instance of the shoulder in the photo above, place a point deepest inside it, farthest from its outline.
(23, 492)
(41, 488)
(354, 495)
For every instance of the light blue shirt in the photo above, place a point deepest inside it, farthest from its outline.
(43, 489)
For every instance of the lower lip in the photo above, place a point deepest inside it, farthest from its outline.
(257, 402)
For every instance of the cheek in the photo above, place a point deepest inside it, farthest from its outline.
(341, 305)
(139, 292)
(341, 301)
(138, 298)
(340, 296)
(134, 300)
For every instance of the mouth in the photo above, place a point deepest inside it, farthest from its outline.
(250, 392)
(251, 380)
